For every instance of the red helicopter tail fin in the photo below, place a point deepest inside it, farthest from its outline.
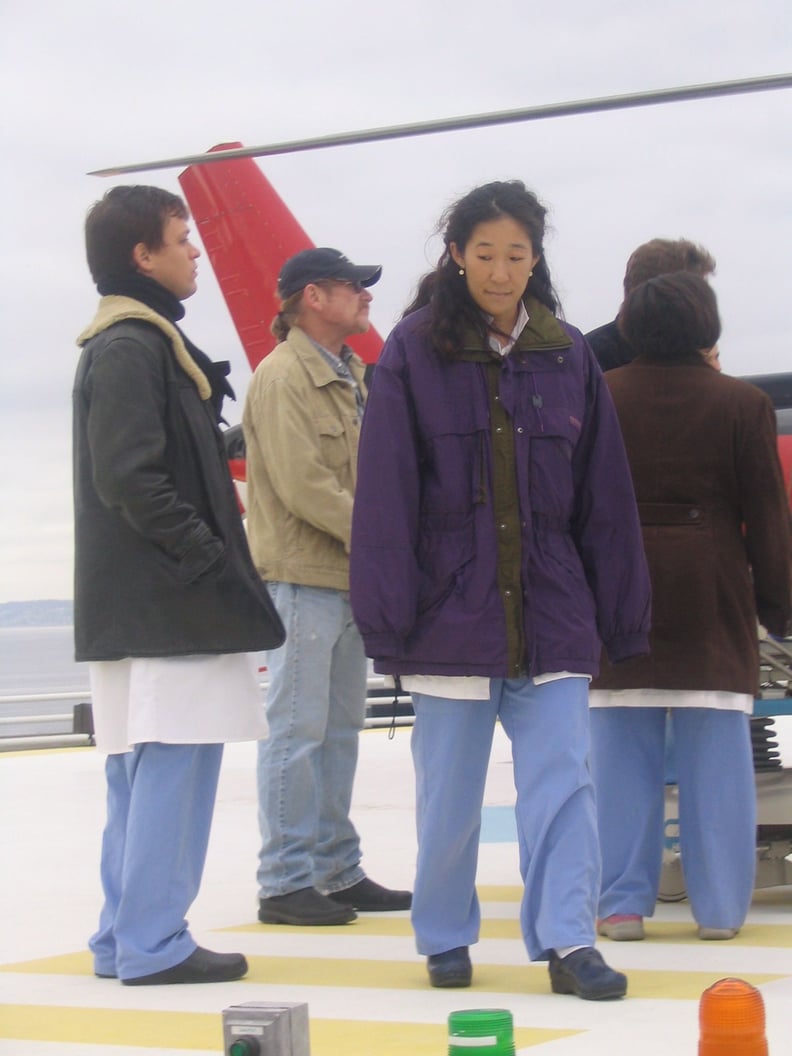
(248, 232)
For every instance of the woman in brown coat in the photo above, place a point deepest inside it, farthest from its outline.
(716, 528)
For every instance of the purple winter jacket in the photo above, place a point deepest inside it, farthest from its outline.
(495, 530)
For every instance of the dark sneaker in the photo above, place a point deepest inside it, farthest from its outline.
(370, 897)
(202, 966)
(450, 969)
(306, 906)
(585, 974)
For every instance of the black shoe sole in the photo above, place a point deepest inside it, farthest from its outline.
(173, 976)
(345, 915)
(450, 982)
(372, 907)
(566, 986)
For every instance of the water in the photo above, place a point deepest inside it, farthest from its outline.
(39, 660)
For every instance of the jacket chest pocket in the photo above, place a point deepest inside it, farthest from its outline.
(557, 425)
(333, 442)
(455, 473)
(546, 446)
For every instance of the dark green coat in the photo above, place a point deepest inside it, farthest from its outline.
(162, 566)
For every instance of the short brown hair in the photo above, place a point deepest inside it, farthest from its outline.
(671, 318)
(660, 256)
(122, 218)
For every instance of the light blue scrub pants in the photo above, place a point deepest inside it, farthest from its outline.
(160, 801)
(717, 809)
(556, 817)
(316, 705)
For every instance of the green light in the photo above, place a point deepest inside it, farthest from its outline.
(245, 1047)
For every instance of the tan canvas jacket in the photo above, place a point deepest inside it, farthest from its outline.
(301, 430)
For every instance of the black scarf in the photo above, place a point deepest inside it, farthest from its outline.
(164, 303)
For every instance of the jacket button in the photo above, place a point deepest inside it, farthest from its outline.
(498, 428)
(502, 527)
(694, 514)
(559, 359)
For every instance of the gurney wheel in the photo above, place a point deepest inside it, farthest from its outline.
(672, 880)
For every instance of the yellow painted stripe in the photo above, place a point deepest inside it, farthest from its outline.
(682, 986)
(111, 1026)
(681, 932)
(201, 1030)
(499, 893)
(777, 936)
(395, 1039)
(352, 974)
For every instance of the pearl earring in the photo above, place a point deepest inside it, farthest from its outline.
(530, 273)
(461, 271)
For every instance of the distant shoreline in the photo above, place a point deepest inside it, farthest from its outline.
(46, 613)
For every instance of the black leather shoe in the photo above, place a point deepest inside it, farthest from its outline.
(450, 969)
(585, 974)
(370, 897)
(202, 966)
(306, 906)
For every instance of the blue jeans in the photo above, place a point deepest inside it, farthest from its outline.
(316, 705)
(556, 816)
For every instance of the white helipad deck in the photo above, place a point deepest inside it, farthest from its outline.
(365, 986)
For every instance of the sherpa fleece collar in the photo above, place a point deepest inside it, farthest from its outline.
(115, 308)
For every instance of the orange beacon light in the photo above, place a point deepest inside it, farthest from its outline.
(732, 1020)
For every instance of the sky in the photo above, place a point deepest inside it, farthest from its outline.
(93, 84)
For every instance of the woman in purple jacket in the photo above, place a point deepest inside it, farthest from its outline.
(495, 547)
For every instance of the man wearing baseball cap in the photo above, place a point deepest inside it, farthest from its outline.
(301, 423)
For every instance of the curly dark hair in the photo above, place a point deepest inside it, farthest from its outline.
(453, 309)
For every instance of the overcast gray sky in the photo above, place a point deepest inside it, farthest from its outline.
(93, 83)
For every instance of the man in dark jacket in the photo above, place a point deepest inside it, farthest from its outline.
(656, 257)
(168, 606)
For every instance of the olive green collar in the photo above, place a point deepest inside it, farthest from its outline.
(543, 332)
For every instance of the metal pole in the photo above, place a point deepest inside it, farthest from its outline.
(457, 124)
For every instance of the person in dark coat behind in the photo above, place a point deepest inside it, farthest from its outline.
(716, 528)
(658, 256)
(495, 547)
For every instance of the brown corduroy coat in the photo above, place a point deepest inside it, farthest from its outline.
(715, 522)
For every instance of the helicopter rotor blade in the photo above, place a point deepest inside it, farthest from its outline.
(454, 124)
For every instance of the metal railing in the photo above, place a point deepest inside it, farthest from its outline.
(384, 708)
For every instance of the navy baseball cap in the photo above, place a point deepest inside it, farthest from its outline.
(313, 265)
